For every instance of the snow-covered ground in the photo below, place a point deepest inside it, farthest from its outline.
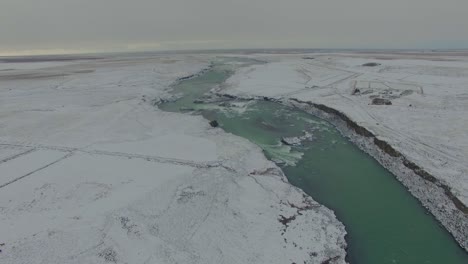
(425, 118)
(91, 172)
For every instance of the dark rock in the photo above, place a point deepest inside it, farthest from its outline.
(428, 177)
(381, 101)
(424, 174)
(406, 92)
(356, 91)
(186, 77)
(214, 123)
(385, 147)
(371, 64)
(286, 220)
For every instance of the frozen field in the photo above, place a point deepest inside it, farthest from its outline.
(92, 172)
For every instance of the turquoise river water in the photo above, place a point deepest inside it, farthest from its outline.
(385, 224)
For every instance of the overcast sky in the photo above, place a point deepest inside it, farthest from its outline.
(48, 26)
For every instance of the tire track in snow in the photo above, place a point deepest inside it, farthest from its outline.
(17, 155)
(159, 159)
(36, 170)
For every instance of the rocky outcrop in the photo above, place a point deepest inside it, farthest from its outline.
(381, 101)
(371, 64)
(357, 128)
(214, 123)
(385, 147)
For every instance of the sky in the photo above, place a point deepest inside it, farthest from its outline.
(77, 26)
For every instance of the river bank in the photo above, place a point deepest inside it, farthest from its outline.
(395, 219)
(385, 132)
(433, 195)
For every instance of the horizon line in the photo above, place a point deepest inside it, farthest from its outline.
(252, 50)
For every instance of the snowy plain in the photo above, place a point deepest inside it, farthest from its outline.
(92, 172)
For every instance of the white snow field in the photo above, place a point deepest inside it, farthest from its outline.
(92, 172)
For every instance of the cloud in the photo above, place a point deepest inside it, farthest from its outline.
(183, 24)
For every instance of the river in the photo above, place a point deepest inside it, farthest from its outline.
(385, 224)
